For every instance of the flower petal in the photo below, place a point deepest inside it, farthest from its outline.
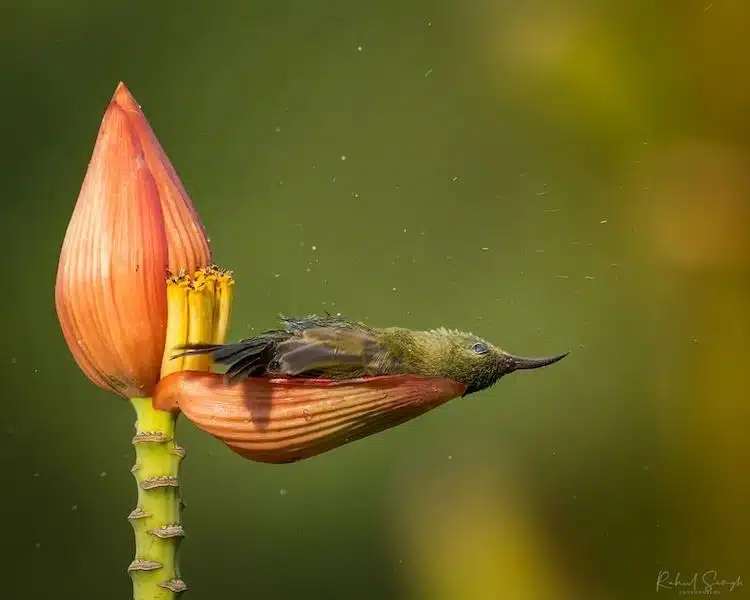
(285, 420)
(110, 289)
(189, 249)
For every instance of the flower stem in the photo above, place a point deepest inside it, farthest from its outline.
(156, 518)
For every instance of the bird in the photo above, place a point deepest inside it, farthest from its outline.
(332, 347)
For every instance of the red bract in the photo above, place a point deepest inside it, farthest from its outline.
(285, 420)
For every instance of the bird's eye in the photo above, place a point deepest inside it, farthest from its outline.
(479, 348)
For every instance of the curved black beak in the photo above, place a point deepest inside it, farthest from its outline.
(517, 363)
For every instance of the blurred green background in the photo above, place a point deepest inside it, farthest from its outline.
(552, 175)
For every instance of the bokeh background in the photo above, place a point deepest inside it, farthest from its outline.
(550, 174)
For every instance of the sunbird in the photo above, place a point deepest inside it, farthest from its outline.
(333, 347)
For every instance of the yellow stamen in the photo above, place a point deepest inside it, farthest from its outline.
(198, 306)
(223, 308)
(177, 324)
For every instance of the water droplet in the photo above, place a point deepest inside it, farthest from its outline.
(282, 492)
(103, 474)
(74, 507)
(314, 248)
(359, 48)
(36, 473)
(343, 157)
(277, 129)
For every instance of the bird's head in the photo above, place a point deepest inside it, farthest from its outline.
(468, 359)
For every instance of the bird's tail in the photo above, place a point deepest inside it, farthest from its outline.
(244, 358)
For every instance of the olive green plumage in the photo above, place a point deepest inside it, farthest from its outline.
(332, 347)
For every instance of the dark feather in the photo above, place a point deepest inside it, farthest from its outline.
(298, 356)
(192, 349)
(247, 367)
(241, 350)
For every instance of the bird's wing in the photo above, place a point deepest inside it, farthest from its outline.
(331, 348)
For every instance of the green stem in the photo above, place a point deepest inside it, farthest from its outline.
(156, 518)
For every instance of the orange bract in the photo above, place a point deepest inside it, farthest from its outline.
(285, 420)
(132, 221)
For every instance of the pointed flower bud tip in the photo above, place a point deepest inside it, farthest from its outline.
(186, 237)
(286, 420)
(131, 222)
